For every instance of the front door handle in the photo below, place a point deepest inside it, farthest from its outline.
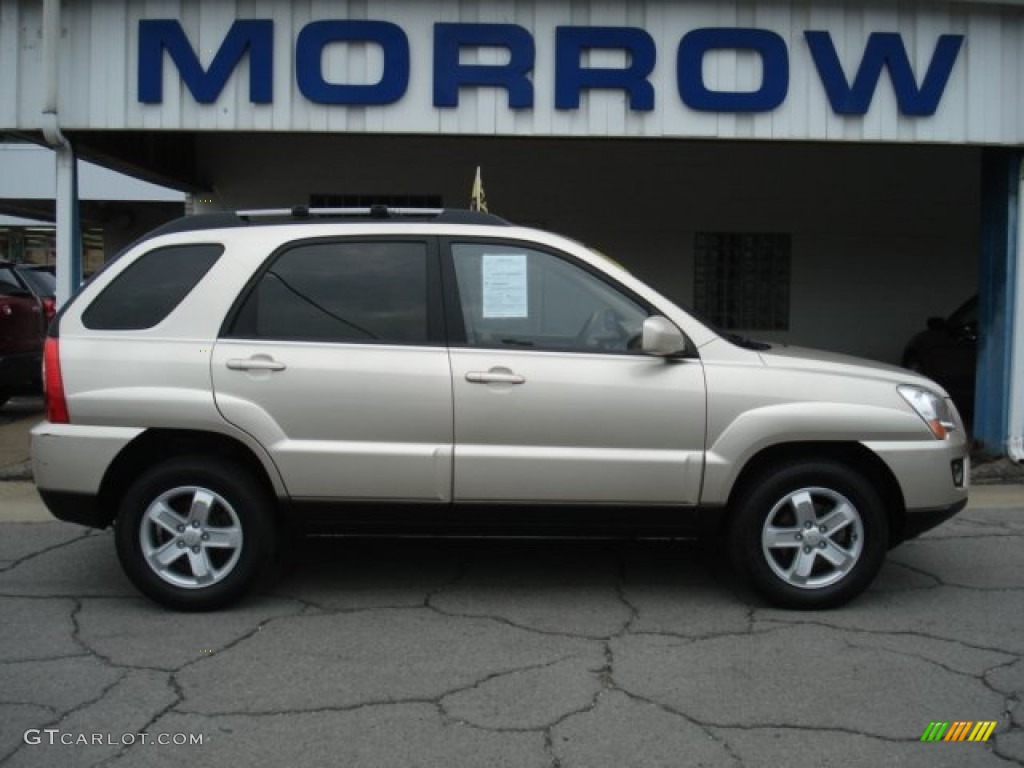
(504, 376)
(255, 364)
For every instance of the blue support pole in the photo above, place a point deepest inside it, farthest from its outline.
(1000, 182)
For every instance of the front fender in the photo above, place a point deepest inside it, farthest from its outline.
(752, 431)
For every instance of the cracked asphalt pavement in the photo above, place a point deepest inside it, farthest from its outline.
(448, 653)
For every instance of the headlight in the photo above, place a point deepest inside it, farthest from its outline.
(930, 407)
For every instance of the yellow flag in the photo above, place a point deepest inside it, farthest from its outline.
(477, 199)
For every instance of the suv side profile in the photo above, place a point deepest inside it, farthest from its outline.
(232, 377)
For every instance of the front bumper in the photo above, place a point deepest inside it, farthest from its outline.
(933, 477)
(917, 521)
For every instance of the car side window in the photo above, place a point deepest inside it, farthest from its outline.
(341, 292)
(149, 289)
(513, 296)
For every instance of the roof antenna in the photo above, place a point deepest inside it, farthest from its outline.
(300, 211)
(379, 212)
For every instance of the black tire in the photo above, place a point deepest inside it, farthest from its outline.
(822, 565)
(215, 513)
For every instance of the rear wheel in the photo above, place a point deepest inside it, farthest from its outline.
(195, 533)
(809, 534)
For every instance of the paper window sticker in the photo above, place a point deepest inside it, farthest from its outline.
(505, 289)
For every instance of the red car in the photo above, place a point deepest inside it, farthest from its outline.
(43, 283)
(22, 329)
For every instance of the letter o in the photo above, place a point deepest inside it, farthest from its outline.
(690, 69)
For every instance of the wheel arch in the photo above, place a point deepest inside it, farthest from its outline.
(851, 454)
(156, 445)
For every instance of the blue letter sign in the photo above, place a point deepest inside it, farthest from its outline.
(573, 73)
(450, 74)
(885, 50)
(571, 77)
(309, 73)
(774, 64)
(255, 36)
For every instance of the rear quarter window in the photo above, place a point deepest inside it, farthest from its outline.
(43, 283)
(10, 285)
(149, 290)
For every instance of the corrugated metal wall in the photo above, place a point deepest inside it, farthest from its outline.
(983, 102)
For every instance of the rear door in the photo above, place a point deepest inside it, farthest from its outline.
(335, 361)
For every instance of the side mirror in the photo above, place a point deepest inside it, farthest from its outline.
(661, 338)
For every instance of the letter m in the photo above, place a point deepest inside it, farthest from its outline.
(255, 36)
(884, 50)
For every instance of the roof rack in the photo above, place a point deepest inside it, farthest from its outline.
(441, 215)
(374, 211)
(301, 214)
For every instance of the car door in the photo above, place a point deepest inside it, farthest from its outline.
(554, 402)
(335, 361)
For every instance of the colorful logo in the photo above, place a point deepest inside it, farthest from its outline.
(959, 730)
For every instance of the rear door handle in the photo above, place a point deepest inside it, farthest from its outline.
(255, 364)
(495, 377)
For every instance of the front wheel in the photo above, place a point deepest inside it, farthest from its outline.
(195, 534)
(809, 534)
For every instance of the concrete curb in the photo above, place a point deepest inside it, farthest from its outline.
(20, 472)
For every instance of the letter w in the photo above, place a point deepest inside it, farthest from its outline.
(253, 35)
(885, 50)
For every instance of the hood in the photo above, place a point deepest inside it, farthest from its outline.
(802, 358)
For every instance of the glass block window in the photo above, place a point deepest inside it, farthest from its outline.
(741, 279)
(366, 201)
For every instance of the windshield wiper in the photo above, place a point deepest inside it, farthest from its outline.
(743, 341)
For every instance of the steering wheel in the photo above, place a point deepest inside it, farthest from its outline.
(602, 330)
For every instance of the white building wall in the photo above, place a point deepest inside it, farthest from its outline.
(983, 102)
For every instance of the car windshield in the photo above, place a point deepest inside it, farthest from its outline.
(966, 315)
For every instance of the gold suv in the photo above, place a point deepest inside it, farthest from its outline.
(235, 376)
